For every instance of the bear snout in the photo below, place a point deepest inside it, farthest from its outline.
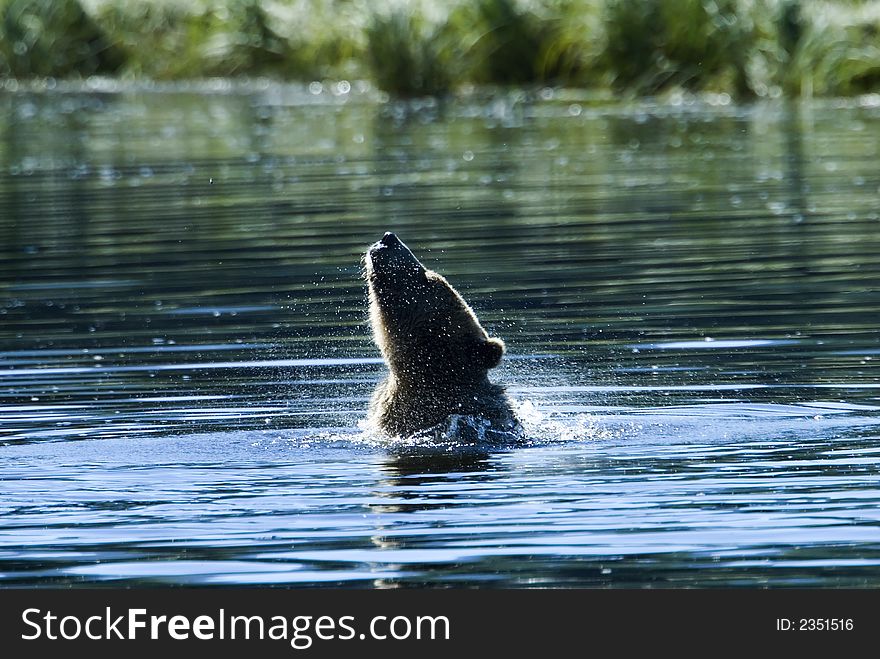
(390, 254)
(388, 242)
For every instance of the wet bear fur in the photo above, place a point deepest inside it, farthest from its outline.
(438, 354)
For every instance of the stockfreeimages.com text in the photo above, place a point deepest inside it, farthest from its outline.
(300, 631)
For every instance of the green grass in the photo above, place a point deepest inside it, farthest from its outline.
(410, 55)
(746, 48)
(652, 45)
(41, 38)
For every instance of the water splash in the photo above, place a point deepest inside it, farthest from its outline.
(456, 432)
(552, 426)
(460, 432)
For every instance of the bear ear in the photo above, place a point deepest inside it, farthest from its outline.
(490, 352)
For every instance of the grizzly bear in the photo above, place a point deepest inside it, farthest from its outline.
(437, 352)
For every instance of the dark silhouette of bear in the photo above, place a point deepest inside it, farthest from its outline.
(437, 352)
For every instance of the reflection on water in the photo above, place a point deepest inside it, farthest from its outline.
(689, 295)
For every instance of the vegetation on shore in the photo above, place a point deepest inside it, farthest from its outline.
(745, 48)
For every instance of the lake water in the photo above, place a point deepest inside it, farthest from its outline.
(688, 292)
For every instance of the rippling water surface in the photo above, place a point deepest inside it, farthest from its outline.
(688, 292)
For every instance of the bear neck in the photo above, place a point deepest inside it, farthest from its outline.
(439, 384)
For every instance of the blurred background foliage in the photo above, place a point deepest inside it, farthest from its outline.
(745, 48)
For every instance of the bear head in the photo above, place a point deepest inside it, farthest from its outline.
(427, 333)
